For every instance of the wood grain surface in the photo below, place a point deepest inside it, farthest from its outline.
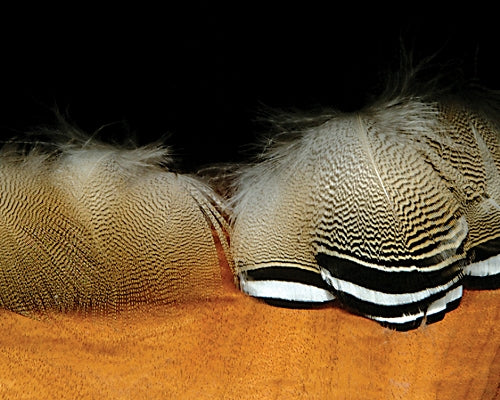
(235, 347)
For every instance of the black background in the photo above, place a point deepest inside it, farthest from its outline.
(196, 75)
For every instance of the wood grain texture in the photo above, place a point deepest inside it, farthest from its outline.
(235, 347)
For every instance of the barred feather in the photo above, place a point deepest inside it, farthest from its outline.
(386, 209)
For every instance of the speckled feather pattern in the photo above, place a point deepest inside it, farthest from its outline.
(99, 227)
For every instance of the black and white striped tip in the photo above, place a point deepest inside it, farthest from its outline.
(297, 288)
(397, 310)
(287, 286)
(484, 274)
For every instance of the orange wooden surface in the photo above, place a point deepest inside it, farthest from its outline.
(234, 347)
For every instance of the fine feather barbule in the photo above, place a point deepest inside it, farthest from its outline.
(91, 226)
(386, 208)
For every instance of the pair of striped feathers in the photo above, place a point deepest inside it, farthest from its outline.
(390, 210)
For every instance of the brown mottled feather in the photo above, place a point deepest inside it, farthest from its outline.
(98, 227)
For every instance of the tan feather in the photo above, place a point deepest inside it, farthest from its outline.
(90, 226)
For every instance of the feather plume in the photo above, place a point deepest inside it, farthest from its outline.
(91, 226)
(386, 208)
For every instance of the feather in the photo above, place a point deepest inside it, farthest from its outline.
(385, 209)
(96, 227)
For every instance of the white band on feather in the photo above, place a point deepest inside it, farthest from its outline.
(488, 267)
(381, 298)
(398, 320)
(435, 307)
(440, 304)
(284, 290)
